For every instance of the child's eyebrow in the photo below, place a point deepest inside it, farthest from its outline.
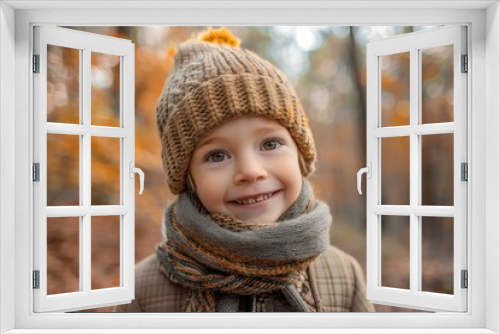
(270, 128)
(260, 131)
(209, 141)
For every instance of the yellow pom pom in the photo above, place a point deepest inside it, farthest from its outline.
(220, 36)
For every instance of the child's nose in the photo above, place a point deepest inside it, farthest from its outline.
(249, 170)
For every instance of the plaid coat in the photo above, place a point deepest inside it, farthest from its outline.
(337, 276)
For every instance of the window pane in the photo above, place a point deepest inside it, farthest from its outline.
(395, 251)
(105, 171)
(63, 255)
(437, 169)
(105, 90)
(437, 254)
(63, 169)
(437, 84)
(395, 171)
(63, 85)
(105, 252)
(395, 89)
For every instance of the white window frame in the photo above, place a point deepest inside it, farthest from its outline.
(16, 216)
(414, 43)
(124, 132)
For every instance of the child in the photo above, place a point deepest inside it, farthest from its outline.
(245, 233)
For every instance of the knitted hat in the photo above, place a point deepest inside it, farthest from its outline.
(214, 81)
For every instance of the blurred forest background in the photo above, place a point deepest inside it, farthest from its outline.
(327, 66)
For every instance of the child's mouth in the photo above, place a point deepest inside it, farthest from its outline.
(256, 200)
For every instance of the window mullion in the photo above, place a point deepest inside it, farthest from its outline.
(82, 223)
(123, 168)
(86, 254)
(127, 248)
(415, 261)
(460, 155)
(86, 168)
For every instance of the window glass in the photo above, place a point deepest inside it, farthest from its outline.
(437, 84)
(437, 169)
(437, 254)
(63, 170)
(395, 183)
(395, 256)
(63, 84)
(63, 255)
(105, 91)
(105, 245)
(106, 161)
(395, 84)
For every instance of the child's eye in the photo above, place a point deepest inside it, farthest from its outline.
(216, 156)
(271, 144)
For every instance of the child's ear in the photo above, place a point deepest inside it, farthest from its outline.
(302, 165)
(190, 182)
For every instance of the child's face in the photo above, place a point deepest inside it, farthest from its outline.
(243, 160)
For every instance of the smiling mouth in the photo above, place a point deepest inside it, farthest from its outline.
(257, 199)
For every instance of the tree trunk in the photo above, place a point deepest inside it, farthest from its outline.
(360, 117)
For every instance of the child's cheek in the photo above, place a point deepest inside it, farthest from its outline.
(211, 183)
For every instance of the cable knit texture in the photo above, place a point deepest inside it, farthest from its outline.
(211, 84)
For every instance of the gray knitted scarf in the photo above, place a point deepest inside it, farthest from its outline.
(221, 265)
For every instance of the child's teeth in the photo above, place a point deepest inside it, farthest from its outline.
(253, 200)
